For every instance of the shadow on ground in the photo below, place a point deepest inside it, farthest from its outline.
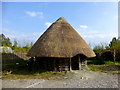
(14, 64)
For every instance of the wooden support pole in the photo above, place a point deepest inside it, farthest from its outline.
(60, 65)
(54, 64)
(47, 65)
(70, 65)
(79, 62)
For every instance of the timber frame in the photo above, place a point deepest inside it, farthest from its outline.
(61, 64)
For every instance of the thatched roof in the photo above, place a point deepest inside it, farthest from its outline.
(60, 40)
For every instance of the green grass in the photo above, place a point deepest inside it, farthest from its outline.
(44, 75)
(20, 71)
(112, 62)
(102, 62)
(104, 66)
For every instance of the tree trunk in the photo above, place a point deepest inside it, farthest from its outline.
(70, 65)
(114, 55)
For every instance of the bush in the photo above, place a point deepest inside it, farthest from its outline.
(96, 61)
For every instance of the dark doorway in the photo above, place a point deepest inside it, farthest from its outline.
(75, 63)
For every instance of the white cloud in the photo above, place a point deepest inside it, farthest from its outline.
(95, 37)
(35, 14)
(116, 16)
(47, 24)
(83, 26)
(21, 37)
(105, 13)
(90, 36)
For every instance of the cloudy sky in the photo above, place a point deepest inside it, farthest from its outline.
(96, 22)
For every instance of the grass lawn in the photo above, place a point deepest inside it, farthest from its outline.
(43, 75)
(11, 70)
(109, 67)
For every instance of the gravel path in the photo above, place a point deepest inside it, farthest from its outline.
(77, 79)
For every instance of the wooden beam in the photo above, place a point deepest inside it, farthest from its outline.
(60, 64)
(70, 65)
(79, 62)
(54, 64)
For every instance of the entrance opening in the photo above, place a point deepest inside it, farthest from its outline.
(75, 63)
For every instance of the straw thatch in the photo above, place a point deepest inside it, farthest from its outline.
(60, 40)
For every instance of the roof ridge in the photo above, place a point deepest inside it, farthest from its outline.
(61, 19)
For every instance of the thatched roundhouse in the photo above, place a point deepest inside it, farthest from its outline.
(60, 46)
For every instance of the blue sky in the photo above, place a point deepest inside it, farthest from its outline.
(96, 22)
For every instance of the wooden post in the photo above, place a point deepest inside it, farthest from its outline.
(54, 65)
(79, 62)
(60, 65)
(47, 64)
(70, 65)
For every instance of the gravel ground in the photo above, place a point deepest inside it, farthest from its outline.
(77, 79)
